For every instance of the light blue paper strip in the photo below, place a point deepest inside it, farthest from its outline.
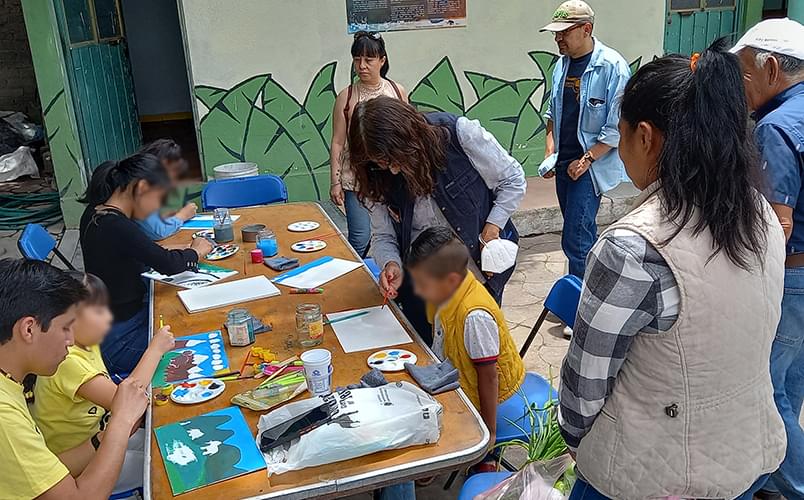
(301, 269)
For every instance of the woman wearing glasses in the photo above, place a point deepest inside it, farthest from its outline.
(419, 170)
(370, 62)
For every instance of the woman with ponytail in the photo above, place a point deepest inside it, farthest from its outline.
(666, 389)
(117, 251)
(370, 63)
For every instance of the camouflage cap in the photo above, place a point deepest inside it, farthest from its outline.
(570, 13)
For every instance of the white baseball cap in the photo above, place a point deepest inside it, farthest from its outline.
(570, 13)
(782, 36)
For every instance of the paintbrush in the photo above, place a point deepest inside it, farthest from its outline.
(384, 300)
(351, 316)
(226, 375)
(282, 366)
(161, 321)
(245, 363)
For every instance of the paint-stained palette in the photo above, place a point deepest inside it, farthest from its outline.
(391, 360)
(197, 391)
(205, 233)
(221, 252)
(303, 226)
(308, 246)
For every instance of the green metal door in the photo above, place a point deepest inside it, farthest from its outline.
(100, 79)
(694, 24)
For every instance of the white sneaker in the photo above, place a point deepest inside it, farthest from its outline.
(567, 332)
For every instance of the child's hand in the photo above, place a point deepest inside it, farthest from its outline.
(163, 340)
(187, 212)
(201, 246)
(130, 401)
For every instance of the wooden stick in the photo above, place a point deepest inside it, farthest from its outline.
(282, 365)
(245, 362)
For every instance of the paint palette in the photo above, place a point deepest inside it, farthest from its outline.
(308, 246)
(205, 233)
(391, 360)
(221, 252)
(197, 391)
(303, 226)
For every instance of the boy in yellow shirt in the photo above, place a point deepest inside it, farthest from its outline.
(70, 406)
(468, 326)
(38, 306)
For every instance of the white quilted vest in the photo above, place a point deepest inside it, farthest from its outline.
(692, 411)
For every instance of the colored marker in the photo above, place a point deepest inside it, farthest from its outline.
(351, 316)
(303, 291)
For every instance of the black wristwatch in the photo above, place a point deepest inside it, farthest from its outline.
(95, 440)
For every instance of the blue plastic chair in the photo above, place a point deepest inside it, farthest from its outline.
(35, 243)
(535, 390)
(479, 483)
(244, 192)
(136, 493)
(562, 301)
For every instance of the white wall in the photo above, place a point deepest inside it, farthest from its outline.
(229, 41)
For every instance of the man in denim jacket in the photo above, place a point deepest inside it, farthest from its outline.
(582, 123)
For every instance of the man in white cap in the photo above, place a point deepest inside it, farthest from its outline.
(772, 57)
(582, 126)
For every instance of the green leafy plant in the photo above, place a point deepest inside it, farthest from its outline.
(543, 435)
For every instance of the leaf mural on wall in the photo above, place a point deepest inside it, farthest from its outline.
(546, 62)
(225, 128)
(209, 96)
(320, 100)
(635, 65)
(502, 105)
(439, 90)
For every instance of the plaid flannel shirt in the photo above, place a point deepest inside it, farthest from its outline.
(628, 289)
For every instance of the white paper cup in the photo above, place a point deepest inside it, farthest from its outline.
(318, 371)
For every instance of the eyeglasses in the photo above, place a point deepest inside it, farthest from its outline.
(371, 34)
(559, 35)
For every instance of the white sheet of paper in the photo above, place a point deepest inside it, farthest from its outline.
(376, 330)
(226, 294)
(318, 275)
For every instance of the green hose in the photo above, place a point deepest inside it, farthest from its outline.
(19, 210)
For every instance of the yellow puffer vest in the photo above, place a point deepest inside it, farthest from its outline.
(471, 296)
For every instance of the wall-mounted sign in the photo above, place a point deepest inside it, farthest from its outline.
(392, 15)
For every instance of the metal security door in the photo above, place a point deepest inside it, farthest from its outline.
(100, 78)
(694, 24)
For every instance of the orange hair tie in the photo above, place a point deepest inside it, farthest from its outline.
(694, 61)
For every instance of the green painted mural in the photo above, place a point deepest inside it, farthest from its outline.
(257, 120)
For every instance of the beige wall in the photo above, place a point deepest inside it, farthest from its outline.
(231, 40)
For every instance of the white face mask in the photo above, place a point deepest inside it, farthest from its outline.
(498, 256)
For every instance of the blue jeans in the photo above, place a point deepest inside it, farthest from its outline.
(584, 491)
(401, 491)
(127, 340)
(358, 223)
(787, 372)
(579, 205)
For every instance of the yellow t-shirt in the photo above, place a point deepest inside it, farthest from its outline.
(28, 467)
(67, 419)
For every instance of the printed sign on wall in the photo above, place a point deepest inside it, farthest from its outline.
(393, 15)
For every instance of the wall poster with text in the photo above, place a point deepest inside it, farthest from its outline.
(392, 15)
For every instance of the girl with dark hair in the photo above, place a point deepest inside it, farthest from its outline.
(155, 225)
(117, 251)
(666, 389)
(416, 171)
(370, 63)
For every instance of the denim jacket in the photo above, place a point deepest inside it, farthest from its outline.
(602, 84)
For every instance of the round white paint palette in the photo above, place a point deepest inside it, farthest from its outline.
(303, 226)
(221, 252)
(197, 391)
(391, 360)
(205, 233)
(308, 246)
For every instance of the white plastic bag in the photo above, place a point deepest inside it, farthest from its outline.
(17, 164)
(534, 482)
(364, 421)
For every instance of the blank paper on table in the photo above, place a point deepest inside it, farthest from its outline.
(376, 330)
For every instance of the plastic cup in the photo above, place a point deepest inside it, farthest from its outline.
(318, 371)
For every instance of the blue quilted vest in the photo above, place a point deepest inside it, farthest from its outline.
(463, 198)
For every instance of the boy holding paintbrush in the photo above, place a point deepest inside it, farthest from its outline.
(468, 326)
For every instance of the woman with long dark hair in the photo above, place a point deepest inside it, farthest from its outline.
(117, 251)
(418, 170)
(666, 389)
(370, 63)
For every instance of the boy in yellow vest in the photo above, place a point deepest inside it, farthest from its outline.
(468, 326)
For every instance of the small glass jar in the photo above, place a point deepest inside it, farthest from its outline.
(240, 327)
(309, 325)
(266, 241)
(222, 226)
